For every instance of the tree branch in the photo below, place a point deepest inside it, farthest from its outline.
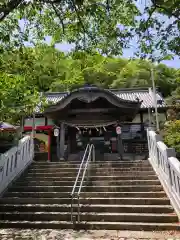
(150, 15)
(78, 16)
(61, 20)
(6, 9)
(169, 11)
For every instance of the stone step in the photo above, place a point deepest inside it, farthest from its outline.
(93, 178)
(121, 195)
(95, 200)
(127, 188)
(74, 174)
(52, 170)
(98, 208)
(90, 216)
(131, 226)
(55, 174)
(94, 183)
(96, 162)
(101, 164)
(156, 194)
(102, 169)
(124, 182)
(124, 173)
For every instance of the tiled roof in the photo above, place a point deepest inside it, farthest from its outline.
(54, 97)
(143, 95)
(126, 94)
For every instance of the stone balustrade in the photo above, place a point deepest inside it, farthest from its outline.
(14, 161)
(167, 167)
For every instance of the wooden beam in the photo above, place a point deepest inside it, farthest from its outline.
(91, 110)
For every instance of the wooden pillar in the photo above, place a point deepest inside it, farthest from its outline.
(62, 141)
(49, 145)
(119, 142)
(120, 147)
(142, 122)
(72, 135)
(57, 147)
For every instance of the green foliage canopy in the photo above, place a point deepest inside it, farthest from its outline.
(47, 69)
(16, 98)
(105, 25)
(90, 24)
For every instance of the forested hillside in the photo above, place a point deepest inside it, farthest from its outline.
(100, 31)
(27, 71)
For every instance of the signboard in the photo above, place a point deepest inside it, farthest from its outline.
(118, 130)
(38, 122)
(41, 143)
(56, 132)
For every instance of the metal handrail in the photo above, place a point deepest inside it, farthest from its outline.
(77, 178)
(80, 167)
(91, 153)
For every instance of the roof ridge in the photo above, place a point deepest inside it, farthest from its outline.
(143, 89)
(111, 90)
(129, 89)
(54, 93)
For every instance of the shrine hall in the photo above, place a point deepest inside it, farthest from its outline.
(92, 115)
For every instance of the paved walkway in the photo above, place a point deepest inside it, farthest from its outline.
(12, 234)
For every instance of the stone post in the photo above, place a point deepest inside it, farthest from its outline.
(170, 152)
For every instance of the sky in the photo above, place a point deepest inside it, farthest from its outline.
(127, 53)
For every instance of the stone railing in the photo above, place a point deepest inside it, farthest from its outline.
(167, 167)
(14, 161)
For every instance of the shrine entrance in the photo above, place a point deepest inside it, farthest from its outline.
(104, 138)
(90, 115)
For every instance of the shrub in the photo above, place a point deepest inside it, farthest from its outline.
(172, 135)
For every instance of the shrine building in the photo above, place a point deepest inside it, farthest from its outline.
(92, 115)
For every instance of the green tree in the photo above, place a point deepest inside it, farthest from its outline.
(159, 29)
(89, 24)
(40, 66)
(104, 25)
(16, 98)
(135, 73)
(44, 68)
(166, 79)
(172, 135)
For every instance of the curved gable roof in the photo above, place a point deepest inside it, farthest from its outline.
(90, 94)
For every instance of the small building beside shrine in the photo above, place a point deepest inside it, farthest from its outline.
(92, 114)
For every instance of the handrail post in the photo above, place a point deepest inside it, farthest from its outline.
(170, 152)
(93, 154)
(78, 209)
(71, 208)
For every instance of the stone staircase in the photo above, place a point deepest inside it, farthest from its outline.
(119, 195)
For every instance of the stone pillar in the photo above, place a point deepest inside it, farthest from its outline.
(62, 141)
